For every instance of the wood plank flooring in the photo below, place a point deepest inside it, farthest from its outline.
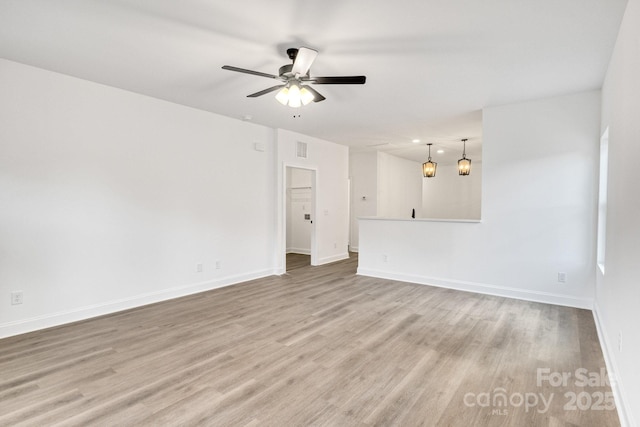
(318, 346)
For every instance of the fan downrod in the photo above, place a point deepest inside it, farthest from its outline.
(292, 53)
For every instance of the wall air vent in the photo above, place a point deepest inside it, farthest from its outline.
(301, 150)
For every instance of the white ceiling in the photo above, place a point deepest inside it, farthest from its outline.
(431, 65)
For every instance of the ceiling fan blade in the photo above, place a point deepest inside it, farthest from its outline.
(317, 97)
(342, 80)
(264, 92)
(304, 59)
(255, 73)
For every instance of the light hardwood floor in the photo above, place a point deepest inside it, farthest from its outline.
(318, 346)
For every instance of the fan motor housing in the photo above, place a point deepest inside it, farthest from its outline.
(292, 53)
(285, 69)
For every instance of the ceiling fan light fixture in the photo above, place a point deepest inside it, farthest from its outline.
(295, 100)
(294, 95)
(283, 96)
(306, 96)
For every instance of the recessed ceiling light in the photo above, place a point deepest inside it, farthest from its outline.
(440, 151)
(415, 141)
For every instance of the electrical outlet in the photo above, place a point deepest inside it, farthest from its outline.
(562, 277)
(218, 264)
(198, 268)
(16, 297)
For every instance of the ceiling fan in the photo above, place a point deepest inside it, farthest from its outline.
(294, 90)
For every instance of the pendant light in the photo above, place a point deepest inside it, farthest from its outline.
(429, 167)
(464, 164)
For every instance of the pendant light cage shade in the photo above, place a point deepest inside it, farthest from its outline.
(464, 164)
(429, 167)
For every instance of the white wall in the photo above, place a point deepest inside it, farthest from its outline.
(331, 223)
(399, 187)
(618, 292)
(299, 198)
(539, 201)
(452, 196)
(110, 199)
(363, 171)
(391, 187)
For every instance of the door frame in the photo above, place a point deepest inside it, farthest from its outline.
(283, 211)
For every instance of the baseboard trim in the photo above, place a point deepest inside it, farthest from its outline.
(83, 313)
(333, 258)
(482, 288)
(616, 387)
(299, 251)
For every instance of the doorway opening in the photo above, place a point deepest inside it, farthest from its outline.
(299, 217)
